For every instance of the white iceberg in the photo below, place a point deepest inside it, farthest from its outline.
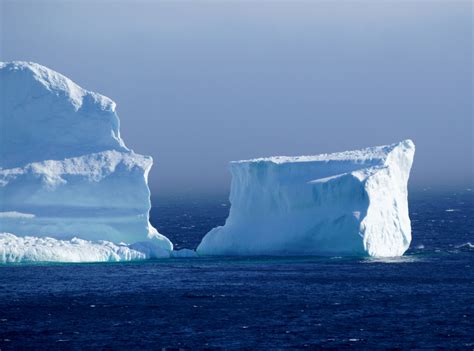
(64, 170)
(351, 203)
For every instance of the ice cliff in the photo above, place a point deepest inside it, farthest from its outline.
(348, 203)
(65, 172)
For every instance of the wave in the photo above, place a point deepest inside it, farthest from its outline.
(466, 246)
(393, 260)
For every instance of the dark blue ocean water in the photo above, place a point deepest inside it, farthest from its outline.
(423, 300)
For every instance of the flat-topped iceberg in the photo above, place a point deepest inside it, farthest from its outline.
(65, 172)
(351, 203)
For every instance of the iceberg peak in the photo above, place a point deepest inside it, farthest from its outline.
(46, 116)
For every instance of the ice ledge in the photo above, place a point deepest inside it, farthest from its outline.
(28, 249)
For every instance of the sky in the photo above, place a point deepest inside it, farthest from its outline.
(200, 83)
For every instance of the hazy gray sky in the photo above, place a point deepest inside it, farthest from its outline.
(198, 84)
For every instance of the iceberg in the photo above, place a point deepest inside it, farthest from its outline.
(352, 203)
(66, 173)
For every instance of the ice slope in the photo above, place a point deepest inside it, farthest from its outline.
(348, 203)
(64, 170)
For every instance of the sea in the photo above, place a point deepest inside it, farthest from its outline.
(423, 300)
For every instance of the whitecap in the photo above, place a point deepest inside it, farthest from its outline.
(467, 246)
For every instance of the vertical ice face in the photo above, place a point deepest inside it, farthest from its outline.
(64, 170)
(349, 203)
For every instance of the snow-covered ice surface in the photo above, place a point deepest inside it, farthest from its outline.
(66, 173)
(348, 203)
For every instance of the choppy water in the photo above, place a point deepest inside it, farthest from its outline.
(422, 300)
